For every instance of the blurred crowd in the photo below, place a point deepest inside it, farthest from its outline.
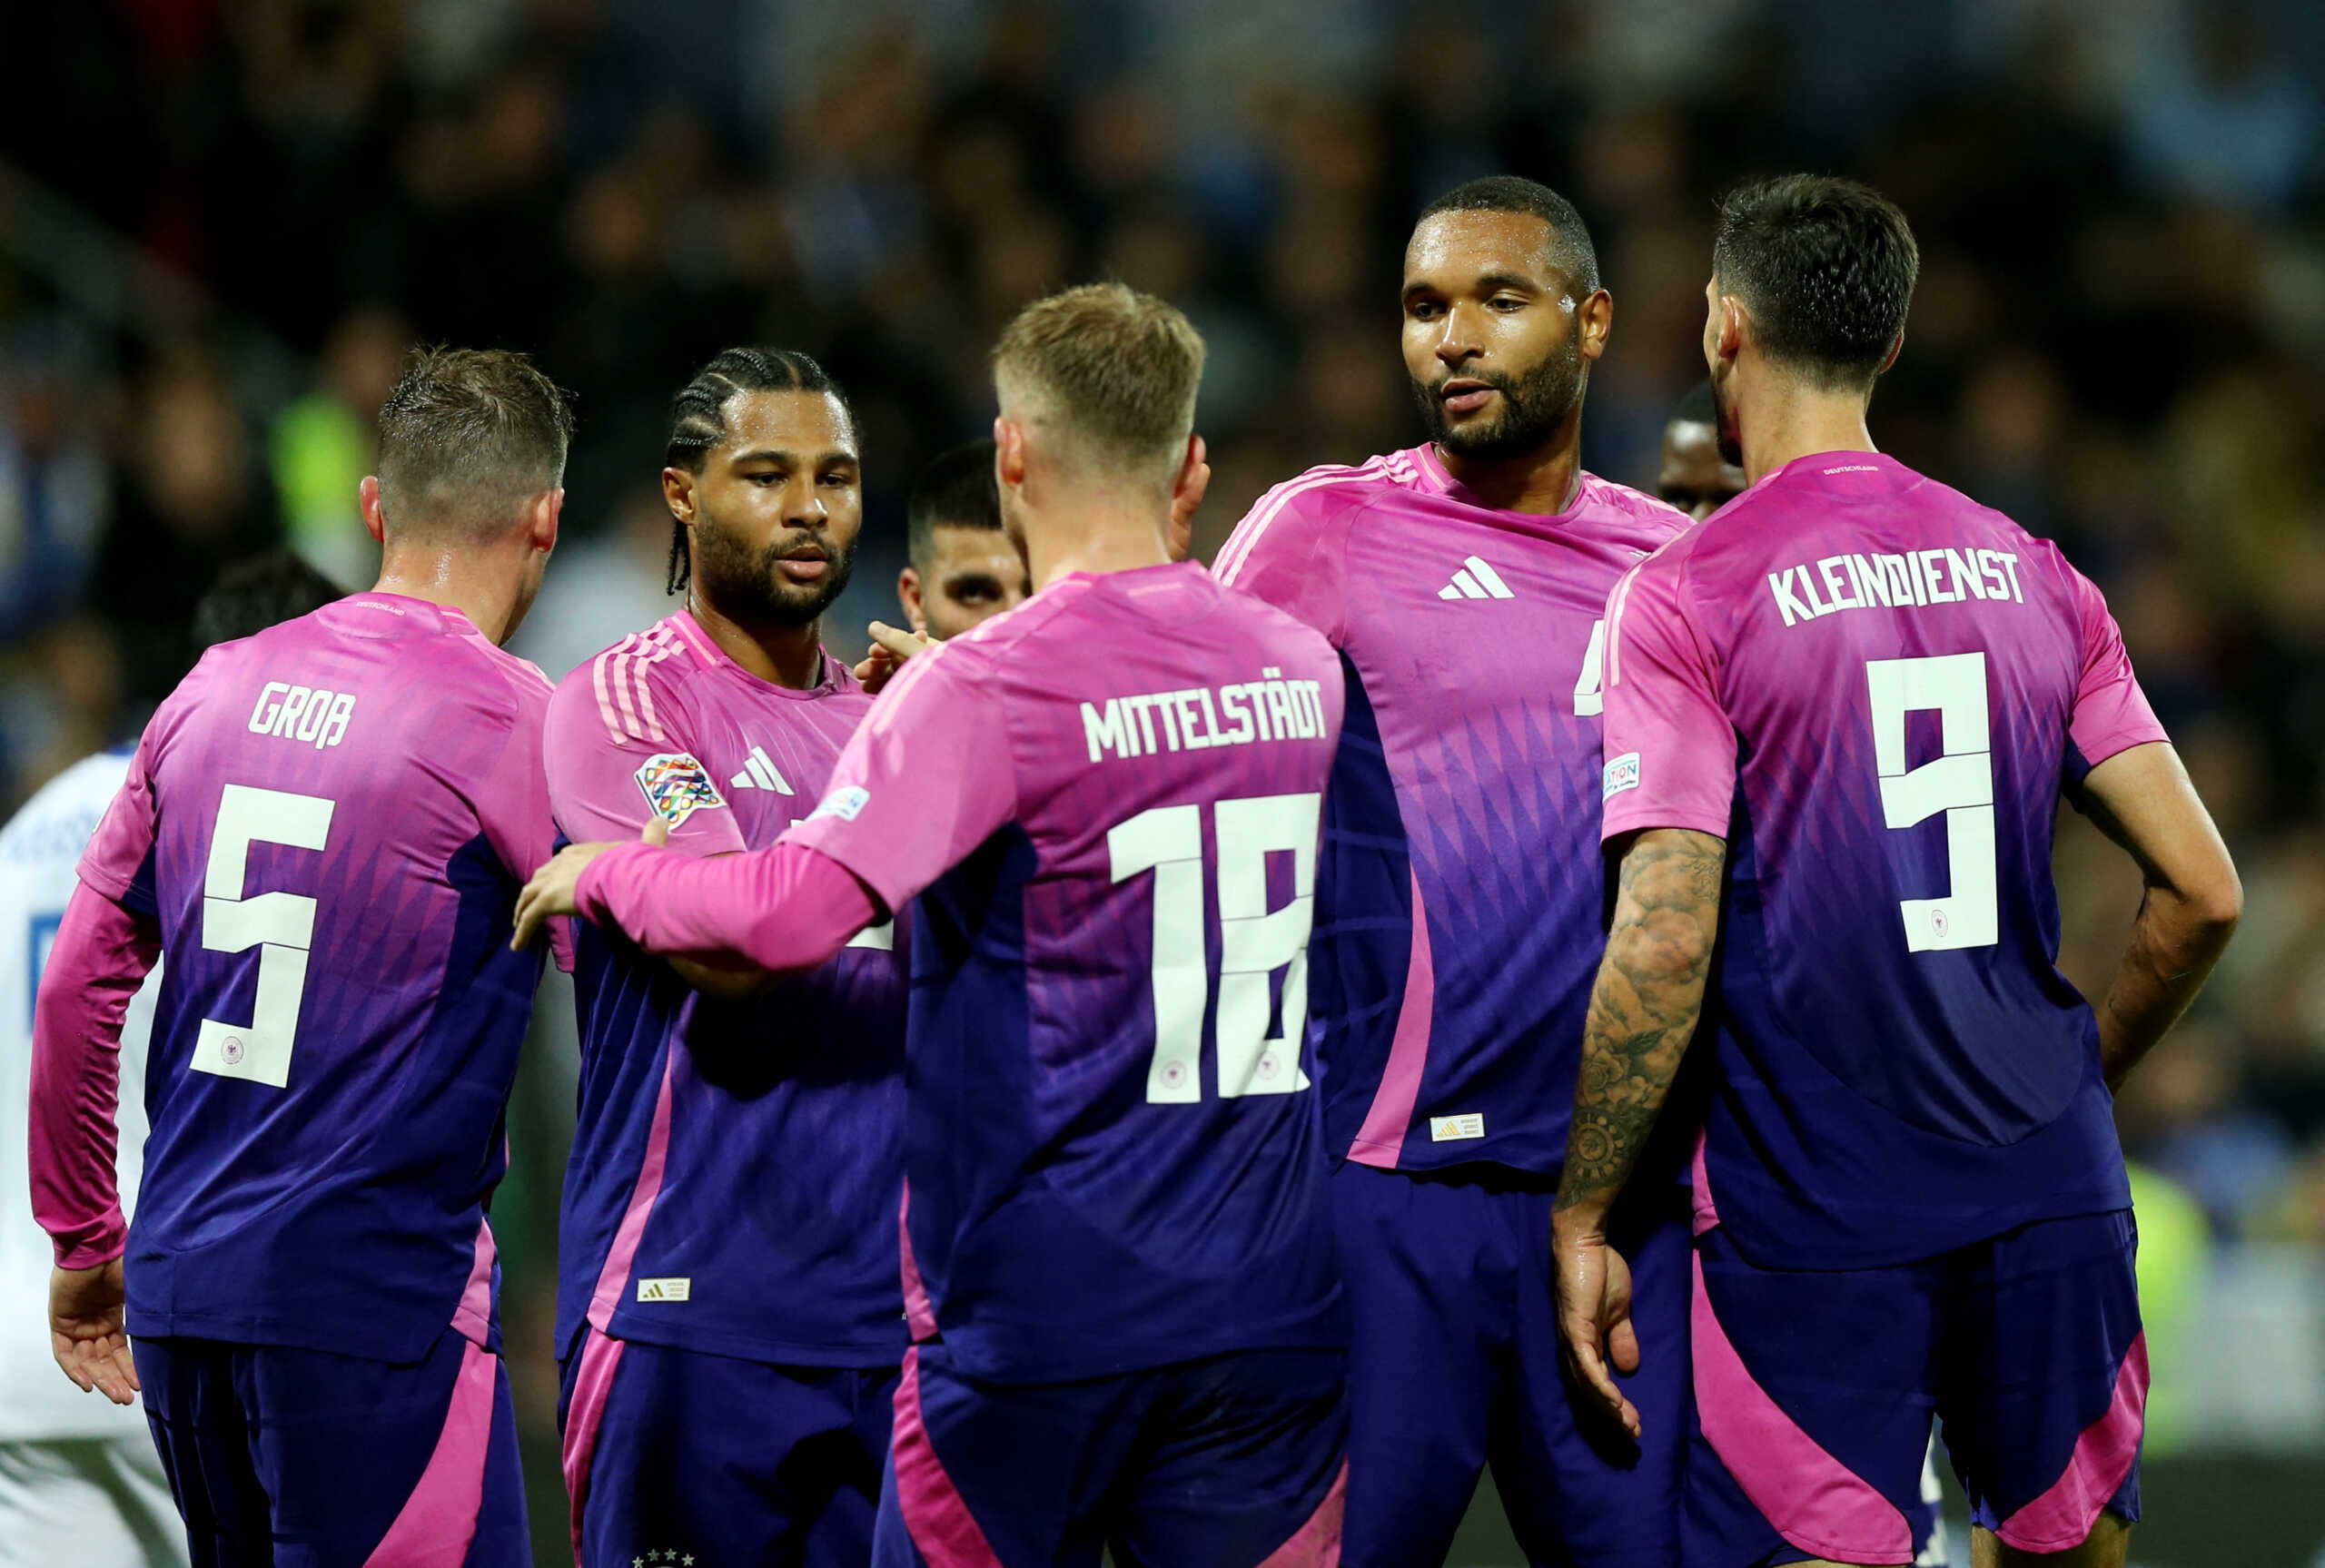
(2119, 338)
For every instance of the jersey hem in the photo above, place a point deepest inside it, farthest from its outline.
(761, 1352)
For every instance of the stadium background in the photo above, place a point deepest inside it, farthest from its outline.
(220, 219)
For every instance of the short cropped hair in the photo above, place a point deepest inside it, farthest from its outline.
(1826, 266)
(955, 491)
(469, 435)
(258, 592)
(1111, 372)
(1571, 245)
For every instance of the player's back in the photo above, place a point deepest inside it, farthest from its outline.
(329, 821)
(1114, 1149)
(1910, 678)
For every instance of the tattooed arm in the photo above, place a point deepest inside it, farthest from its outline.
(1643, 1012)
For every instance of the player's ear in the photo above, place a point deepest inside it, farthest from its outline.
(548, 510)
(1735, 325)
(1595, 320)
(366, 501)
(678, 494)
(1896, 348)
(1008, 452)
(908, 595)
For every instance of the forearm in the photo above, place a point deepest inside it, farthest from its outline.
(100, 955)
(1644, 1009)
(781, 910)
(2174, 944)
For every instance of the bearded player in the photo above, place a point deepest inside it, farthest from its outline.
(1462, 581)
(1843, 711)
(731, 1319)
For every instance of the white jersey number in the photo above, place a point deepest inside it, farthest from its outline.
(281, 925)
(1255, 941)
(1960, 783)
(1589, 698)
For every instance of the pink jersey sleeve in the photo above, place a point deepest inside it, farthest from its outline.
(604, 781)
(785, 909)
(1670, 750)
(512, 803)
(117, 851)
(2110, 713)
(102, 953)
(924, 780)
(1292, 550)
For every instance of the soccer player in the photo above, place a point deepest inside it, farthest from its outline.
(730, 1316)
(1460, 900)
(1839, 717)
(322, 830)
(79, 1480)
(1118, 1259)
(964, 565)
(1696, 476)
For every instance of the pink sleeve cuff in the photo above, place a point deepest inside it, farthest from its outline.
(102, 954)
(784, 909)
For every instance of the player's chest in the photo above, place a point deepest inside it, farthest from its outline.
(771, 764)
(1456, 615)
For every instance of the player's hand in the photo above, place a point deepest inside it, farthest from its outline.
(891, 647)
(1180, 538)
(556, 888)
(84, 1329)
(1594, 1287)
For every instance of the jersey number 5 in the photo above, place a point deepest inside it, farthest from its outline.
(1255, 941)
(281, 925)
(1960, 781)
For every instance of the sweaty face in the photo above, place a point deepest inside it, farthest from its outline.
(1694, 477)
(1493, 336)
(971, 575)
(778, 506)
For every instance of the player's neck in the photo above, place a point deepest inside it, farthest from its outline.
(1798, 422)
(455, 580)
(781, 656)
(1542, 482)
(1099, 533)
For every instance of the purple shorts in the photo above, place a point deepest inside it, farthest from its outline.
(1234, 1461)
(1456, 1367)
(676, 1455)
(1815, 1390)
(300, 1457)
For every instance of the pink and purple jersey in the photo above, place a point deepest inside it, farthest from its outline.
(1462, 901)
(329, 821)
(737, 1165)
(1874, 689)
(1107, 802)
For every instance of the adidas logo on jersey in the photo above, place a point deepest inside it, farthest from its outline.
(1476, 580)
(760, 772)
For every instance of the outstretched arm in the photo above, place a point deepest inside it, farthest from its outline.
(1642, 1011)
(2143, 800)
(782, 910)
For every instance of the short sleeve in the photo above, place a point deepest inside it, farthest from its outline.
(927, 777)
(1292, 550)
(605, 781)
(1670, 749)
(512, 806)
(2110, 712)
(118, 861)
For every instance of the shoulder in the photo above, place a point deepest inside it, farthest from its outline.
(1300, 511)
(1657, 520)
(629, 689)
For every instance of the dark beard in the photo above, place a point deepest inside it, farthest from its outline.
(747, 585)
(1725, 426)
(1531, 407)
